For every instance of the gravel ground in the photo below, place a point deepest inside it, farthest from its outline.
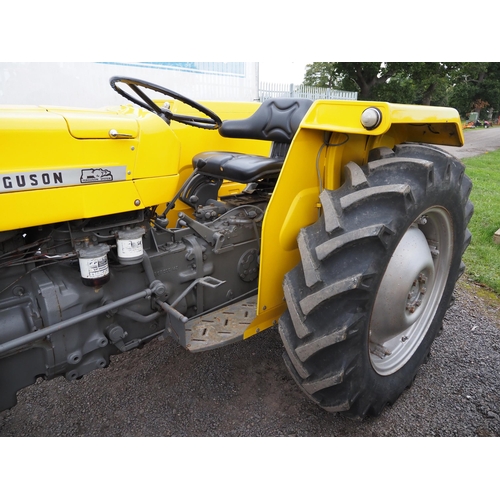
(245, 390)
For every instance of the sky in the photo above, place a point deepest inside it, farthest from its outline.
(282, 72)
(223, 31)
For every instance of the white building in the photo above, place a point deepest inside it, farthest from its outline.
(86, 84)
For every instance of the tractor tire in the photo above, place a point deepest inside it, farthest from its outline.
(376, 278)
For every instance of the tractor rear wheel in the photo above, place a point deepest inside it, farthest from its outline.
(376, 278)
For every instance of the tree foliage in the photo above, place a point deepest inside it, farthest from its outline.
(431, 83)
(363, 78)
(321, 74)
(479, 85)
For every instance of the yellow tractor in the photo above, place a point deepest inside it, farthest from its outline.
(341, 222)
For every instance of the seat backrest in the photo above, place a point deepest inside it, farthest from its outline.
(275, 120)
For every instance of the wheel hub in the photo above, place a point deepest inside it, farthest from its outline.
(410, 291)
(402, 291)
(417, 291)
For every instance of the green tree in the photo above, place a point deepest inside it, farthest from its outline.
(399, 89)
(363, 78)
(322, 74)
(431, 80)
(476, 84)
(429, 83)
(369, 77)
(411, 82)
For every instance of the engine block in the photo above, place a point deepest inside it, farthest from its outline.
(74, 294)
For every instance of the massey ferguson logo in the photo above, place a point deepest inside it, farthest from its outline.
(95, 175)
(27, 181)
(24, 181)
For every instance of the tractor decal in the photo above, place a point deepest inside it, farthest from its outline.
(22, 181)
(95, 175)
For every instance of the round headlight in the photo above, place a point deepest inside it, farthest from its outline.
(371, 118)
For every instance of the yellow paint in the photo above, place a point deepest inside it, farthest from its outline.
(295, 201)
(158, 158)
(265, 319)
(302, 209)
(436, 125)
(96, 124)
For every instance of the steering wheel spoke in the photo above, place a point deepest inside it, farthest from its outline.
(211, 120)
(152, 106)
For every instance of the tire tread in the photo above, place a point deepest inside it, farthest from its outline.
(331, 292)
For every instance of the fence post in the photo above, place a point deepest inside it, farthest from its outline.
(268, 90)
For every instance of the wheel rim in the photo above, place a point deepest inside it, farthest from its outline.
(411, 291)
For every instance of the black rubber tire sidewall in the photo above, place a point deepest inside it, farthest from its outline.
(362, 390)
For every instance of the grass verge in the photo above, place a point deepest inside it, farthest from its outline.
(482, 258)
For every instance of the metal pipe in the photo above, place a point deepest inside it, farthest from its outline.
(138, 317)
(40, 334)
(170, 310)
(148, 268)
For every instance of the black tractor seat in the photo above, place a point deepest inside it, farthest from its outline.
(236, 167)
(277, 121)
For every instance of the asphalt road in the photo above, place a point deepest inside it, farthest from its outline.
(245, 390)
(477, 141)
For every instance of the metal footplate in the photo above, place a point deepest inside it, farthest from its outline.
(221, 327)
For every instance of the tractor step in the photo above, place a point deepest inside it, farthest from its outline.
(221, 327)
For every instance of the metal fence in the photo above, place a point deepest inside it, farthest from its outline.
(271, 90)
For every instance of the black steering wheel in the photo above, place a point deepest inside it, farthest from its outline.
(213, 122)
